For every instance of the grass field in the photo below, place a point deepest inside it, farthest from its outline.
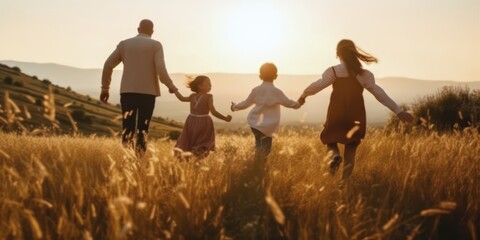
(414, 186)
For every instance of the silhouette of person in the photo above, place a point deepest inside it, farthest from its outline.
(346, 117)
(143, 65)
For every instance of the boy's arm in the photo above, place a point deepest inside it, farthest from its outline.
(244, 104)
(289, 103)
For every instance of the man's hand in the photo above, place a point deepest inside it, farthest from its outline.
(231, 107)
(104, 96)
(228, 118)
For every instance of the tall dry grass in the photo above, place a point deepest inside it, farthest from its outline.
(415, 186)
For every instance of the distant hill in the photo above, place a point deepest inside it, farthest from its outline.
(236, 87)
(92, 116)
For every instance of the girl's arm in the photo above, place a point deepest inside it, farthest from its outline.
(244, 104)
(214, 112)
(181, 97)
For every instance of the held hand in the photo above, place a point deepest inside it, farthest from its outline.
(231, 107)
(104, 96)
(301, 100)
(406, 117)
(228, 118)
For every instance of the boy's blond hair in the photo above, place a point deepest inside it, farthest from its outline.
(268, 71)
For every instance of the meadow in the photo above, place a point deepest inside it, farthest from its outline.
(416, 185)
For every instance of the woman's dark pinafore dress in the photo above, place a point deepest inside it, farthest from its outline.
(346, 118)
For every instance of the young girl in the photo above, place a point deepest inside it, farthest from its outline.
(198, 135)
(346, 118)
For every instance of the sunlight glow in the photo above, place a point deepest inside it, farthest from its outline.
(255, 30)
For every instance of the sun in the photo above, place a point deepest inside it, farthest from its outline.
(255, 31)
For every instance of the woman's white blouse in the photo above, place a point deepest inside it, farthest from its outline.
(367, 80)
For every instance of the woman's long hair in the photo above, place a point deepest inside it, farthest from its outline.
(350, 54)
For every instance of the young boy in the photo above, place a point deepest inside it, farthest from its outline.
(264, 118)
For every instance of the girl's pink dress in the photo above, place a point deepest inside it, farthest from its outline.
(198, 135)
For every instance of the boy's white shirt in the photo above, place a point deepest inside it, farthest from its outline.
(265, 115)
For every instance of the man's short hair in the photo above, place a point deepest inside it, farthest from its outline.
(145, 26)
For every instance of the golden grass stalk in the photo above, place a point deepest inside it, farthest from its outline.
(43, 202)
(37, 231)
(450, 206)
(4, 154)
(12, 203)
(73, 124)
(4, 121)
(183, 200)
(8, 110)
(472, 229)
(433, 212)
(275, 208)
(391, 222)
(412, 235)
(93, 210)
(20, 125)
(352, 131)
(49, 107)
(87, 235)
(26, 112)
(30, 98)
(117, 118)
(152, 213)
(14, 106)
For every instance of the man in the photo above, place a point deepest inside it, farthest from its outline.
(143, 65)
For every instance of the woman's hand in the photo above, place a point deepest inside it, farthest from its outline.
(406, 116)
(231, 107)
(228, 118)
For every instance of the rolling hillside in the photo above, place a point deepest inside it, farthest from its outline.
(227, 87)
(92, 116)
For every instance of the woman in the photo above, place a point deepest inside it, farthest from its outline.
(346, 119)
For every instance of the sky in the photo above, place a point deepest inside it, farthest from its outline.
(422, 39)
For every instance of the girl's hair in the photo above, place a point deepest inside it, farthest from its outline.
(350, 54)
(194, 83)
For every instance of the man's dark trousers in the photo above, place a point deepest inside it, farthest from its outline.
(137, 110)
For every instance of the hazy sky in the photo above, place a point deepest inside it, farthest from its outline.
(423, 39)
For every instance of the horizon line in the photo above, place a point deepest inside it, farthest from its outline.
(237, 73)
